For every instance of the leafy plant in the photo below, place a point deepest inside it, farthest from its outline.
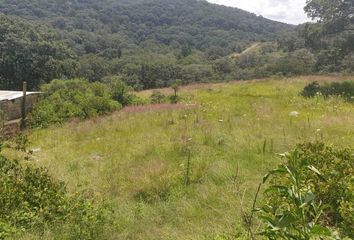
(343, 89)
(297, 216)
(157, 97)
(174, 99)
(310, 194)
(311, 90)
(65, 99)
(32, 200)
(120, 91)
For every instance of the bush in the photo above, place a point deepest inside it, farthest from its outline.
(298, 62)
(311, 90)
(65, 99)
(158, 97)
(32, 201)
(120, 91)
(174, 99)
(311, 194)
(343, 89)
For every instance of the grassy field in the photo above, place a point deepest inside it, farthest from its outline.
(137, 159)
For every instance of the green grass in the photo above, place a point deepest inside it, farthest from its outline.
(137, 160)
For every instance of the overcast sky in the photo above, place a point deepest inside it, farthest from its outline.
(289, 11)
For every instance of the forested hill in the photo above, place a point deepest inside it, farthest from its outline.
(93, 25)
(146, 43)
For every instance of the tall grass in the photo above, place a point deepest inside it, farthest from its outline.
(137, 159)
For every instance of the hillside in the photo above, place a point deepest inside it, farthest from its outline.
(136, 159)
(148, 44)
(156, 43)
(95, 26)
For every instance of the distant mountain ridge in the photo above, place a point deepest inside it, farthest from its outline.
(197, 23)
(145, 43)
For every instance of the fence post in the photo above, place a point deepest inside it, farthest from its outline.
(23, 106)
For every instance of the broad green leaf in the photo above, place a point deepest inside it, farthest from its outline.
(286, 220)
(309, 197)
(318, 230)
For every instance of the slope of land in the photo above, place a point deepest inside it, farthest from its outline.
(148, 44)
(137, 159)
(94, 26)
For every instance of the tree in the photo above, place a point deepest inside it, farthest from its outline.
(333, 36)
(337, 15)
(185, 51)
(119, 90)
(29, 53)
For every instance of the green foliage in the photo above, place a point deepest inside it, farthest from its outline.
(120, 91)
(299, 62)
(149, 45)
(266, 59)
(30, 53)
(336, 14)
(331, 39)
(65, 99)
(342, 89)
(174, 98)
(31, 200)
(348, 63)
(138, 160)
(157, 97)
(310, 194)
(146, 42)
(110, 25)
(311, 90)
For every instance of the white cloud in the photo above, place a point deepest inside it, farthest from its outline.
(289, 11)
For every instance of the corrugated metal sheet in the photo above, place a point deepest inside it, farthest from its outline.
(11, 95)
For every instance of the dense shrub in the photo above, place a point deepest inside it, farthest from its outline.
(311, 90)
(343, 89)
(31, 200)
(120, 91)
(64, 99)
(311, 194)
(174, 99)
(157, 97)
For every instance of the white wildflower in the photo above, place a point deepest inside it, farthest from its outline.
(294, 114)
(36, 150)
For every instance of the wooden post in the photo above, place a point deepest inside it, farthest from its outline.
(23, 106)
